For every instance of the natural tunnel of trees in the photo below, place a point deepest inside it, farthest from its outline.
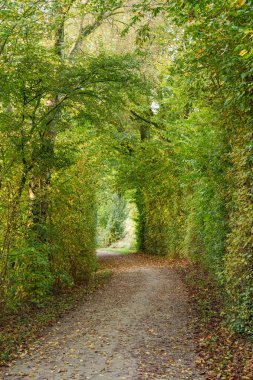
(112, 103)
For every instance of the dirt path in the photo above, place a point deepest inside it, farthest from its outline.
(137, 327)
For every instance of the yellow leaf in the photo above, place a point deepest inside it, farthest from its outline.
(240, 3)
(249, 31)
(243, 52)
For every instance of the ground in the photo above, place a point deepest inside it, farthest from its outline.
(140, 325)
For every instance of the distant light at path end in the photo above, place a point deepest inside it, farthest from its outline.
(155, 107)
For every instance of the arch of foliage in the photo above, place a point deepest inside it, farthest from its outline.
(188, 166)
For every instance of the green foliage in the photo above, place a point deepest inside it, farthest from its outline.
(53, 100)
(213, 60)
(30, 278)
(150, 173)
(206, 112)
(69, 117)
(72, 224)
(204, 188)
(111, 219)
(239, 259)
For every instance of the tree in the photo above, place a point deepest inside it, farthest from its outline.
(48, 88)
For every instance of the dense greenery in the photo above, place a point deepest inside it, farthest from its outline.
(52, 97)
(167, 126)
(209, 112)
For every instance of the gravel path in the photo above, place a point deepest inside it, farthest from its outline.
(136, 327)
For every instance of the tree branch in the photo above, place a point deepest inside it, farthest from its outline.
(85, 31)
(145, 120)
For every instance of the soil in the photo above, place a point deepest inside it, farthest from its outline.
(140, 325)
